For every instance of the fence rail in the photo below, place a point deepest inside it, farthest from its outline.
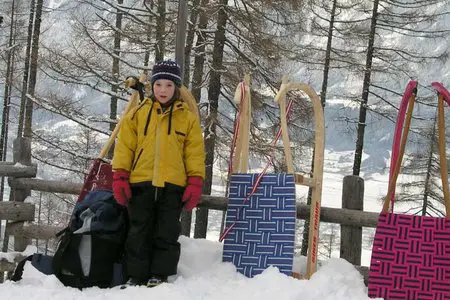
(21, 215)
(17, 211)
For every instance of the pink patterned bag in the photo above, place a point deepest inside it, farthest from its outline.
(411, 254)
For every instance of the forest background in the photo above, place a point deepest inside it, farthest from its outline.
(63, 63)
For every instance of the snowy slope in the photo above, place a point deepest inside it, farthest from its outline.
(202, 275)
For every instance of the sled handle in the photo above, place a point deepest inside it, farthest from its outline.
(442, 91)
(442, 154)
(280, 99)
(410, 89)
(242, 98)
(401, 152)
(132, 102)
(238, 159)
(443, 95)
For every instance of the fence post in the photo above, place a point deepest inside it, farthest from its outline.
(351, 237)
(186, 220)
(22, 155)
(201, 223)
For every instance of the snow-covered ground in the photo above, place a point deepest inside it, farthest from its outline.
(203, 275)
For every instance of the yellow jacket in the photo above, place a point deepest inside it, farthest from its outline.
(160, 146)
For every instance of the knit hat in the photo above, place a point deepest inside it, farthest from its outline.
(167, 69)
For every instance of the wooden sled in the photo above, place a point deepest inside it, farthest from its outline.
(100, 173)
(314, 182)
(410, 253)
(254, 246)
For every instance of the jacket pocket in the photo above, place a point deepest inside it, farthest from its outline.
(180, 139)
(137, 159)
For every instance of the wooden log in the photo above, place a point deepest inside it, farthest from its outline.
(34, 231)
(349, 217)
(45, 185)
(16, 211)
(17, 170)
(331, 215)
(351, 236)
(343, 216)
(21, 155)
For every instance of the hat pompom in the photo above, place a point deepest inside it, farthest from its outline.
(166, 69)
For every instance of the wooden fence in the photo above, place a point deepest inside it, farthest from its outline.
(21, 215)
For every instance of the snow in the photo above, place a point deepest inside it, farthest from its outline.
(203, 275)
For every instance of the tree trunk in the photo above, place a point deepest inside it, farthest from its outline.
(7, 91)
(326, 69)
(429, 171)
(190, 41)
(365, 92)
(149, 37)
(33, 68)
(186, 218)
(115, 73)
(211, 120)
(160, 31)
(199, 61)
(180, 38)
(26, 70)
(323, 95)
(7, 99)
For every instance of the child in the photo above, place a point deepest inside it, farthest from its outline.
(159, 167)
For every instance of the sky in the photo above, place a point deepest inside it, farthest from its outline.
(203, 275)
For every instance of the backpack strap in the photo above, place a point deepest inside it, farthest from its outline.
(63, 244)
(41, 262)
(18, 271)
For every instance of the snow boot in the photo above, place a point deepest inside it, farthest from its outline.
(155, 281)
(133, 282)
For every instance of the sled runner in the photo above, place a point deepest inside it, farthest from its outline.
(315, 182)
(260, 222)
(410, 255)
(261, 214)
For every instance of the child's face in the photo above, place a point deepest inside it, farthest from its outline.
(163, 89)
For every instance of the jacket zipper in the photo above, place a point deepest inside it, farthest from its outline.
(137, 159)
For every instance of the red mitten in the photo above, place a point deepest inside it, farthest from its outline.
(193, 192)
(121, 187)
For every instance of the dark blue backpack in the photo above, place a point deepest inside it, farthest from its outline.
(91, 248)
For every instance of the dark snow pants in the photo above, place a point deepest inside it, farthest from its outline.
(152, 246)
